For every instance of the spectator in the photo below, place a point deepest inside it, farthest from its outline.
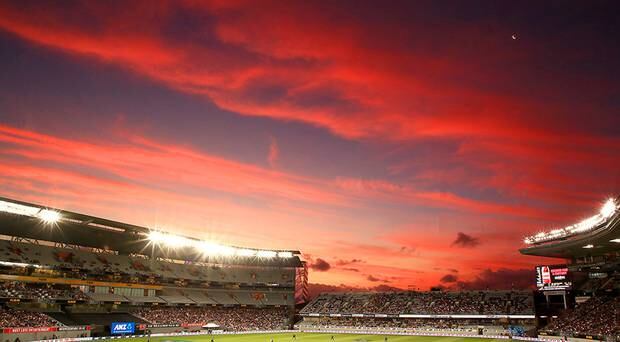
(232, 319)
(10, 318)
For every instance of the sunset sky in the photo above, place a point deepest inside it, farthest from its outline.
(395, 143)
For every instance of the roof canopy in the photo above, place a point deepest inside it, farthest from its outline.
(33, 221)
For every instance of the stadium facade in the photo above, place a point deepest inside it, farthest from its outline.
(65, 274)
(578, 292)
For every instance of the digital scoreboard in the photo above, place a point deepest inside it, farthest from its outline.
(553, 277)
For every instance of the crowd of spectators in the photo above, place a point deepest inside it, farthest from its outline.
(597, 316)
(10, 318)
(434, 302)
(464, 326)
(228, 318)
(20, 290)
(369, 322)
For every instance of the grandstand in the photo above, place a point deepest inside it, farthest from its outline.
(64, 274)
(461, 313)
(577, 299)
(580, 298)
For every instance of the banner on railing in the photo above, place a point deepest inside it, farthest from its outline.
(29, 330)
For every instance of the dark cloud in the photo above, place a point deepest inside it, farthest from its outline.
(351, 269)
(502, 279)
(385, 288)
(407, 250)
(349, 262)
(465, 241)
(372, 278)
(453, 270)
(316, 289)
(320, 265)
(449, 278)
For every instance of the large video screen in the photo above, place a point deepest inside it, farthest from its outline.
(553, 277)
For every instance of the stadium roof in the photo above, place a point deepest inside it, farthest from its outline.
(33, 221)
(597, 235)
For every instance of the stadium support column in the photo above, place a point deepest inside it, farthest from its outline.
(564, 298)
(301, 284)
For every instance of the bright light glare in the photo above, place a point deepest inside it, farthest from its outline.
(19, 209)
(169, 240)
(226, 250)
(285, 254)
(176, 241)
(246, 252)
(210, 248)
(588, 246)
(266, 254)
(608, 210)
(49, 216)
(156, 237)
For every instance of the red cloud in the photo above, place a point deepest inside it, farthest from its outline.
(360, 76)
(296, 62)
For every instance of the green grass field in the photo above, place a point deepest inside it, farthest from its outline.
(310, 337)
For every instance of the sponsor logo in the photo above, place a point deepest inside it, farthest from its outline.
(123, 328)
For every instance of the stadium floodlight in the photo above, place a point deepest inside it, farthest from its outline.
(615, 240)
(226, 250)
(609, 209)
(49, 216)
(588, 246)
(206, 248)
(266, 254)
(18, 209)
(176, 241)
(169, 240)
(285, 254)
(244, 252)
(156, 237)
(210, 248)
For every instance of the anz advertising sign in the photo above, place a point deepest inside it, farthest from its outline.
(118, 328)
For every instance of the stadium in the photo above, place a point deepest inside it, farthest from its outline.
(309, 171)
(69, 276)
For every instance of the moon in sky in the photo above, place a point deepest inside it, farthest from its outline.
(514, 37)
